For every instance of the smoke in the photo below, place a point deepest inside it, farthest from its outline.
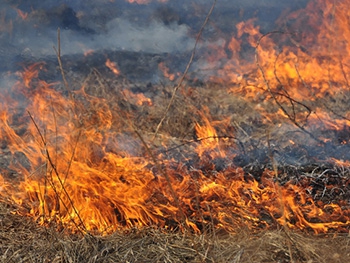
(121, 34)
(119, 26)
(37, 34)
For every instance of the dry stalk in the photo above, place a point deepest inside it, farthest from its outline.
(197, 140)
(58, 54)
(273, 95)
(156, 162)
(81, 227)
(288, 97)
(186, 70)
(166, 176)
(48, 156)
(278, 190)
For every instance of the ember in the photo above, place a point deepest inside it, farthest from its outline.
(235, 151)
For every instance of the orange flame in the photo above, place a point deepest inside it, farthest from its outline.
(208, 137)
(30, 73)
(75, 177)
(137, 99)
(165, 71)
(112, 66)
(88, 52)
(22, 14)
(75, 174)
(79, 165)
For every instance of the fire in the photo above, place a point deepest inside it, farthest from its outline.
(138, 99)
(207, 135)
(88, 52)
(163, 68)
(21, 14)
(31, 73)
(300, 67)
(74, 174)
(112, 66)
(81, 162)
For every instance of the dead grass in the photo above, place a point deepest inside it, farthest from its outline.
(22, 240)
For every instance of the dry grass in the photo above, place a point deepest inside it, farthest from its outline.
(251, 125)
(24, 241)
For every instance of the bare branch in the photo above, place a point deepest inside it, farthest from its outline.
(186, 70)
(48, 156)
(273, 95)
(58, 54)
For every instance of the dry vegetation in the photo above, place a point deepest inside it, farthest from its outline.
(255, 131)
(246, 130)
(246, 125)
(24, 241)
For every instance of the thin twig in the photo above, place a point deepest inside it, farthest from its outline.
(343, 72)
(166, 176)
(47, 154)
(286, 94)
(186, 70)
(58, 54)
(158, 165)
(198, 140)
(272, 93)
(56, 153)
(72, 156)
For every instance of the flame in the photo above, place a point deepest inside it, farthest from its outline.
(75, 174)
(137, 98)
(112, 66)
(165, 70)
(30, 73)
(21, 14)
(302, 68)
(207, 135)
(81, 164)
(88, 52)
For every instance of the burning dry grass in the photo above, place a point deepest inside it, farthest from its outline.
(237, 122)
(95, 162)
(23, 241)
